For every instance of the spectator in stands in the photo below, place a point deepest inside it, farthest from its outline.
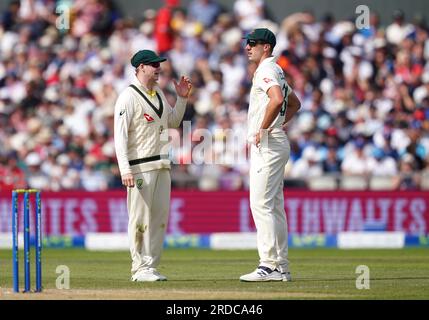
(407, 178)
(181, 59)
(399, 29)
(86, 14)
(308, 165)
(384, 165)
(331, 165)
(11, 175)
(356, 162)
(374, 24)
(105, 19)
(233, 74)
(57, 87)
(35, 177)
(183, 179)
(91, 178)
(163, 32)
(425, 175)
(10, 18)
(249, 13)
(204, 11)
(62, 176)
(230, 179)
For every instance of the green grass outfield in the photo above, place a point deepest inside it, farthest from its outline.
(209, 274)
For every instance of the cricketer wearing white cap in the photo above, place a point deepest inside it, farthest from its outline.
(272, 105)
(142, 113)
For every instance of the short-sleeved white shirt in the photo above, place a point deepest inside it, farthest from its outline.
(268, 74)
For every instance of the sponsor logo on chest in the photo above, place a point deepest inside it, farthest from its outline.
(148, 118)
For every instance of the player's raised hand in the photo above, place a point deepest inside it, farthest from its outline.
(183, 88)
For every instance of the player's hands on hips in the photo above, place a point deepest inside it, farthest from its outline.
(284, 127)
(260, 134)
(128, 180)
(183, 88)
(258, 139)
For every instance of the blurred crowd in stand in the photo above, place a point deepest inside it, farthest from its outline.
(364, 121)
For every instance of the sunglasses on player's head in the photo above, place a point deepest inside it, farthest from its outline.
(154, 64)
(253, 43)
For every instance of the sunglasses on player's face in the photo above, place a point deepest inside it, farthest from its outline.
(253, 43)
(154, 64)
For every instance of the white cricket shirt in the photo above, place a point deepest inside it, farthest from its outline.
(138, 127)
(268, 74)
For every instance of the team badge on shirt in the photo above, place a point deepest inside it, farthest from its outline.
(148, 117)
(267, 80)
(139, 183)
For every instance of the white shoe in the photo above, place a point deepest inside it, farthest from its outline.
(148, 275)
(262, 274)
(160, 276)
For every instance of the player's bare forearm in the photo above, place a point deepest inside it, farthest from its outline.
(270, 114)
(273, 108)
(293, 105)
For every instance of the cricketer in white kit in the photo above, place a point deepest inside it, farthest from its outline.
(272, 104)
(142, 113)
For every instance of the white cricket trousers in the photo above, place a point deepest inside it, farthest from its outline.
(148, 208)
(267, 165)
